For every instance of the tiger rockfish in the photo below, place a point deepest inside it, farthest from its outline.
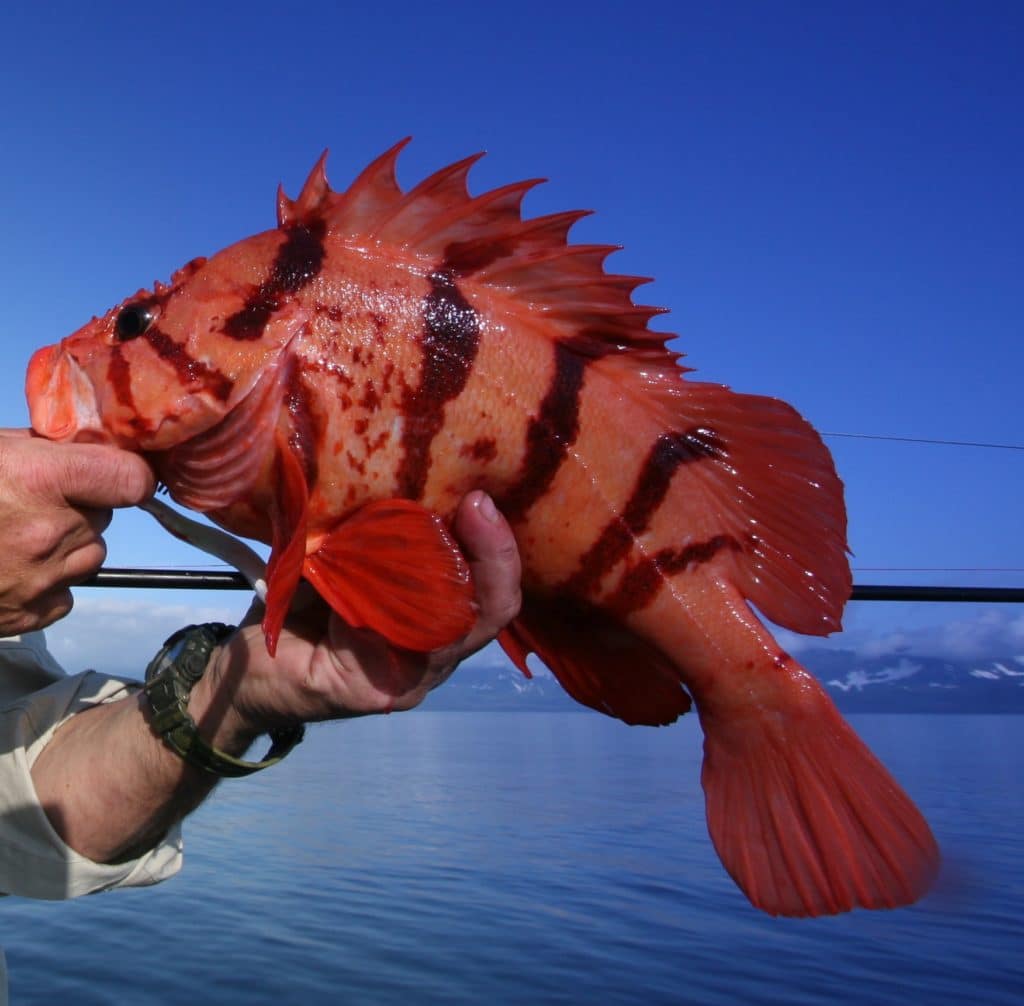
(334, 386)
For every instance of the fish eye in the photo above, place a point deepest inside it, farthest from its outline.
(132, 321)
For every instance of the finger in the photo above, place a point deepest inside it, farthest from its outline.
(51, 608)
(58, 533)
(83, 527)
(94, 475)
(490, 548)
(97, 519)
(82, 563)
(42, 611)
(15, 431)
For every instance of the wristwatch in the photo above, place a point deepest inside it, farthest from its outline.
(170, 677)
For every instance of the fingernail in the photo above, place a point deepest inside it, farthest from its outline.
(488, 509)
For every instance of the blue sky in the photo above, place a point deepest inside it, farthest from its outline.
(829, 197)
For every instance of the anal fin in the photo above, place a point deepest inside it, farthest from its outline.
(599, 662)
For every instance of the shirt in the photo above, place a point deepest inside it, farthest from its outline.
(36, 697)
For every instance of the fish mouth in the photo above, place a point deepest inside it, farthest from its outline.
(61, 398)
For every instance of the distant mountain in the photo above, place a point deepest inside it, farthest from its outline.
(903, 683)
(907, 683)
(500, 688)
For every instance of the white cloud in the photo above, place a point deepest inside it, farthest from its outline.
(993, 632)
(965, 633)
(119, 632)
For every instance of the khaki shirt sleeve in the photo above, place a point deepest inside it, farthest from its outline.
(34, 861)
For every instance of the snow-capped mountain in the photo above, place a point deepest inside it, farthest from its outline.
(500, 688)
(909, 683)
(902, 683)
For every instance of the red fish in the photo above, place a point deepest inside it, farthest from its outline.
(335, 385)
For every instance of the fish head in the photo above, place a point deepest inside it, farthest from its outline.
(164, 365)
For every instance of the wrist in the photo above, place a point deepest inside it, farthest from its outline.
(218, 720)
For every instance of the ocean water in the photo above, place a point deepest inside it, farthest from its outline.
(531, 858)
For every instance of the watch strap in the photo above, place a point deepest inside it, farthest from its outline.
(170, 677)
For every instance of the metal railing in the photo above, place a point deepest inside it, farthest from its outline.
(198, 579)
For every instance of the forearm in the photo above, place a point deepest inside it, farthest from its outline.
(110, 786)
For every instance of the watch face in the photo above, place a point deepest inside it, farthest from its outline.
(188, 652)
(170, 652)
(162, 661)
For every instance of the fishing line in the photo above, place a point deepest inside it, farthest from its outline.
(924, 440)
(938, 569)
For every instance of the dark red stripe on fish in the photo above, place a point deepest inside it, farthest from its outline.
(298, 262)
(119, 373)
(450, 341)
(549, 436)
(189, 370)
(668, 453)
(640, 585)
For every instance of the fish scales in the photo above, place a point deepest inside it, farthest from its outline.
(335, 386)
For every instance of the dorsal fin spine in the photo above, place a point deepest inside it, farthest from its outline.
(443, 223)
(430, 189)
(485, 239)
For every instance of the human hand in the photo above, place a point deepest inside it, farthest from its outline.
(56, 500)
(336, 672)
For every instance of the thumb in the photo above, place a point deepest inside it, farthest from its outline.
(490, 548)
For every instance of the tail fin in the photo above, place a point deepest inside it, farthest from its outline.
(805, 819)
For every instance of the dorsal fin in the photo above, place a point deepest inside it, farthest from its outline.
(485, 237)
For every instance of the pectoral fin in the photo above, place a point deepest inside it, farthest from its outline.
(393, 567)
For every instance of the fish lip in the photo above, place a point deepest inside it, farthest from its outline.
(61, 398)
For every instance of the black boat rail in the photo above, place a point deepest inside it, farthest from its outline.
(199, 579)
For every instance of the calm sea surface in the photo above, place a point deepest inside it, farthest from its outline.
(532, 858)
